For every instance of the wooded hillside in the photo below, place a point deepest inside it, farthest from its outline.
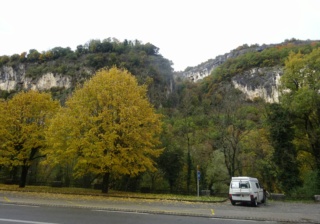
(208, 126)
(142, 60)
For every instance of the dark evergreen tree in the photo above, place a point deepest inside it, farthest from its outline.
(285, 154)
(171, 162)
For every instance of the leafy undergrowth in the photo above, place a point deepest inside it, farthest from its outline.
(111, 193)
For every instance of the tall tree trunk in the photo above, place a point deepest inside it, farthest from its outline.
(105, 183)
(189, 164)
(25, 168)
(23, 178)
(171, 184)
(316, 154)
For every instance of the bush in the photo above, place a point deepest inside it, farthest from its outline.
(309, 188)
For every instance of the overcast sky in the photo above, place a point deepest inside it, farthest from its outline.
(188, 32)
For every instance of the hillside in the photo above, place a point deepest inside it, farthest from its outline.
(224, 123)
(254, 70)
(61, 69)
(227, 116)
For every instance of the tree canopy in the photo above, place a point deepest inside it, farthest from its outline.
(108, 127)
(300, 96)
(23, 120)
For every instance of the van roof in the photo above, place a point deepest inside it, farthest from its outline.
(244, 178)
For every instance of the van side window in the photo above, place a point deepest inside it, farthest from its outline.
(257, 185)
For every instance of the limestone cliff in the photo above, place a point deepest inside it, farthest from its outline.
(205, 69)
(260, 83)
(253, 81)
(16, 79)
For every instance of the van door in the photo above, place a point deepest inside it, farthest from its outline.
(260, 192)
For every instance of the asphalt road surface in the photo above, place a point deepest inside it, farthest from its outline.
(55, 215)
(19, 207)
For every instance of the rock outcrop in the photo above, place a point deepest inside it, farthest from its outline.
(256, 82)
(16, 79)
(260, 83)
(205, 69)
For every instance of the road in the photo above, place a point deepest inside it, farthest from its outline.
(55, 215)
(59, 208)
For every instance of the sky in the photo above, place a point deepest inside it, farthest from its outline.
(187, 32)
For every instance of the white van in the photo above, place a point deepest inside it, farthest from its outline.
(246, 189)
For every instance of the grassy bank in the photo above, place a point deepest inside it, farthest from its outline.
(93, 192)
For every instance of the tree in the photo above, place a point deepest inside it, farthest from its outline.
(185, 128)
(300, 96)
(217, 173)
(285, 154)
(108, 127)
(94, 46)
(257, 147)
(33, 55)
(232, 127)
(22, 124)
(171, 160)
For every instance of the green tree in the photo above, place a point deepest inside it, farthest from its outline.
(33, 55)
(300, 96)
(172, 158)
(285, 154)
(217, 173)
(186, 128)
(4, 60)
(108, 127)
(231, 125)
(22, 124)
(257, 147)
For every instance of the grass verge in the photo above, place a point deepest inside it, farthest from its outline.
(111, 193)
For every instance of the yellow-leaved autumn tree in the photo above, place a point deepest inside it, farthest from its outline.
(108, 126)
(23, 120)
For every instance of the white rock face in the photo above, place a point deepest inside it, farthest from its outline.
(259, 92)
(198, 74)
(260, 83)
(203, 70)
(8, 78)
(255, 83)
(49, 80)
(12, 79)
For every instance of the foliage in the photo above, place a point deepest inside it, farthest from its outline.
(141, 60)
(300, 96)
(196, 122)
(268, 57)
(22, 123)
(217, 174)
(310, 186)
(208, 123)
(231, 128)
(257, 147)
(107, 127)
(171, 160)
(285, 154)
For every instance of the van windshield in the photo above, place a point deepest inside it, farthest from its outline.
(240, 184)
